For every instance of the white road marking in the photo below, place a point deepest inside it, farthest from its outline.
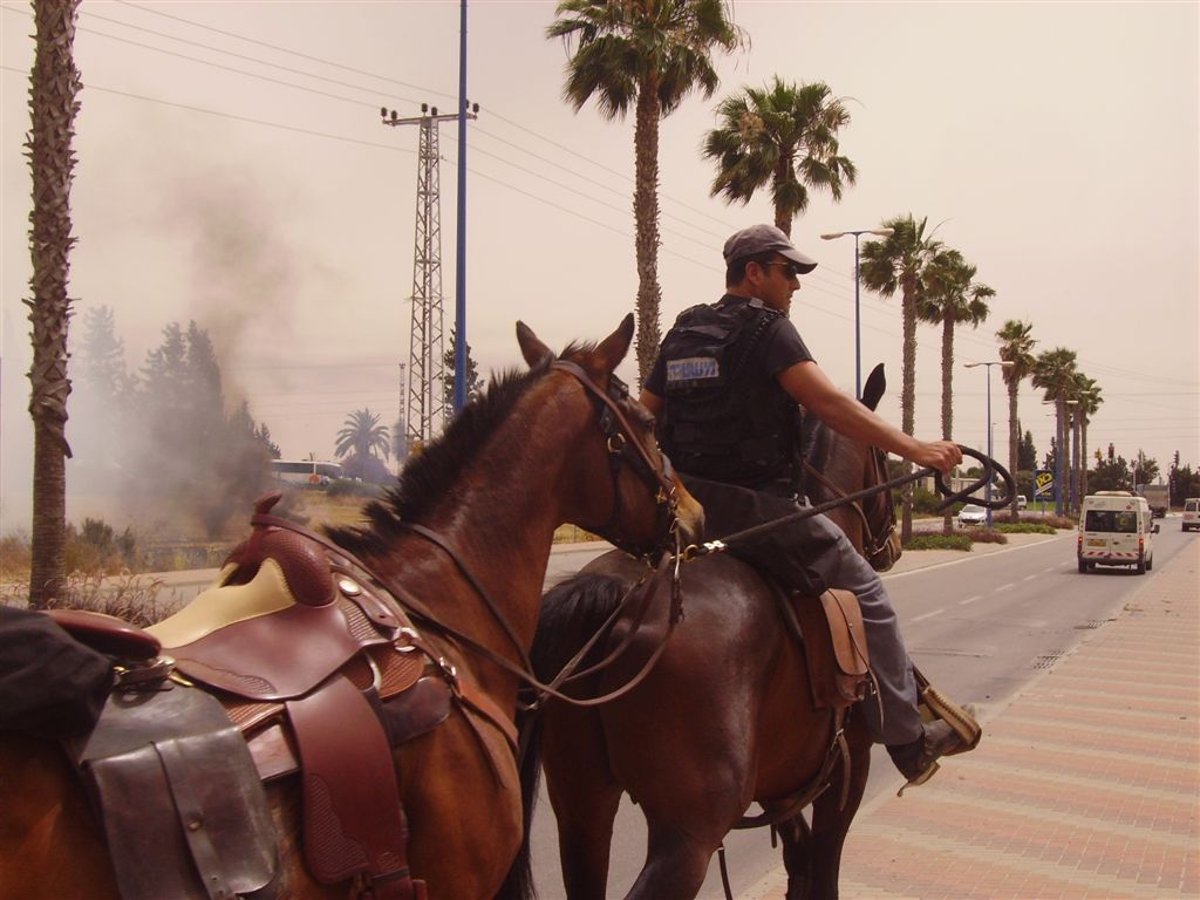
(928, 615)
(970, 600)
(1004, 587)
(1029, 577)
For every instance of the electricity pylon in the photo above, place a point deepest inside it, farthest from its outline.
(424, 403)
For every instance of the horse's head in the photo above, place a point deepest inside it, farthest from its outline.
(623, 479)
(837, 466)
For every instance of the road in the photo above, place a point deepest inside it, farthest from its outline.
(980, 628)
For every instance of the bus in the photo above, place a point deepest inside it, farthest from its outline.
(305, 471)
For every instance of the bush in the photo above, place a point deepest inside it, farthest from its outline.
(923, 502)
(939, 542)
(92, 549)
(15, 556)
(1025, 528)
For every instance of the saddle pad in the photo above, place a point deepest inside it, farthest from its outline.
(184, 813)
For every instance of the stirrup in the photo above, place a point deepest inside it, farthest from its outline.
(936, 705)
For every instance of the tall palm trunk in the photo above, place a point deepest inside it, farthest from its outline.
(947, 406)
(908, 396)
(783, 216)
(54, 84)
(645, 212)
(1014, 441)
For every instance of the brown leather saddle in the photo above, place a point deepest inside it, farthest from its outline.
(324, 674)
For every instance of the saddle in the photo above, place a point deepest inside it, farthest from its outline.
(322, 672)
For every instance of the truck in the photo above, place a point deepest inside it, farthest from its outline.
(1158, 496)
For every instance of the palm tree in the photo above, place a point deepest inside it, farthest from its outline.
(785, 136)
(901, 262)
(1054, 372)
(1088, 399)
(54, 84)
(1016, 347)
(952, 298)
(648, 54)
(362, 435)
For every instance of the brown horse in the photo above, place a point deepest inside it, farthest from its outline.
(563, 442)
(722, 721)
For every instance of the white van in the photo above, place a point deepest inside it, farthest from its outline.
(1191, 513)
(1116, 528)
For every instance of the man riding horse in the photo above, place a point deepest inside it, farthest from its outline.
(725, 388)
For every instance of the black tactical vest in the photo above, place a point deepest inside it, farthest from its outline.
(724, 420)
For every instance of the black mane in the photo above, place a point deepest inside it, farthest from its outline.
(427, 477)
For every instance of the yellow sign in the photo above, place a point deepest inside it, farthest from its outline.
(1043, 481)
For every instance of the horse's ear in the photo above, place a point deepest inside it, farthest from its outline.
(874, 388)
(613, 348)
(534, 351)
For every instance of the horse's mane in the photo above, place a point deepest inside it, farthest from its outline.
(427, 477)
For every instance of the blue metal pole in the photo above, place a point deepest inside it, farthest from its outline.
(460, 261)
(987, 488)
(857, 328)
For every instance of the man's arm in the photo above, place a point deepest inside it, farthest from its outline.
(652, 402)
(807, 384)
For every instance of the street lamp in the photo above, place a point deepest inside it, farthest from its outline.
(1004, 364)
(882, 232)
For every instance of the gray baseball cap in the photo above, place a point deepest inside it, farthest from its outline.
(762, 239)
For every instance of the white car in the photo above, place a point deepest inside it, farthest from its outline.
(972, 515)
(1191, 513)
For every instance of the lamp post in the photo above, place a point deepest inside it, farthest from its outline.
(1073, 498)
(1004, 364)
(882, 232)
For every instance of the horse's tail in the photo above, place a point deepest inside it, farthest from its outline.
(572, 611)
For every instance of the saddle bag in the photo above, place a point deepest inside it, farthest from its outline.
(183, 810)
(835, 646)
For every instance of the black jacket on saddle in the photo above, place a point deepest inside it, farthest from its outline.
(722, 419)
(51, 686)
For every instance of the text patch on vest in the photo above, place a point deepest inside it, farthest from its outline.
(691, 371)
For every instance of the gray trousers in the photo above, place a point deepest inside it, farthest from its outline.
(810, 556)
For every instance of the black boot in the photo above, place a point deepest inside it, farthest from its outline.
(917, 760)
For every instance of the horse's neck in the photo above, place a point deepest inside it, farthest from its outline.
(839, 460)
(499, 519)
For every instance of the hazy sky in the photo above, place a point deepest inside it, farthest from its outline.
(233, 170)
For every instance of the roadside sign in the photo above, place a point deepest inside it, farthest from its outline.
(1043, 482)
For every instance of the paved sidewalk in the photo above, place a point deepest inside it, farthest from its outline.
(1086, 785)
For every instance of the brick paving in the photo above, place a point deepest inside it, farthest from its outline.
(1087, 785)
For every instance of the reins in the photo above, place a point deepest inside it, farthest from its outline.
(991, 468)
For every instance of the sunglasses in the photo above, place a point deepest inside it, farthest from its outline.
(789, 269)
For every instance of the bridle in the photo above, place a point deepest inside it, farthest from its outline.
(879, 546)
(625, 450)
